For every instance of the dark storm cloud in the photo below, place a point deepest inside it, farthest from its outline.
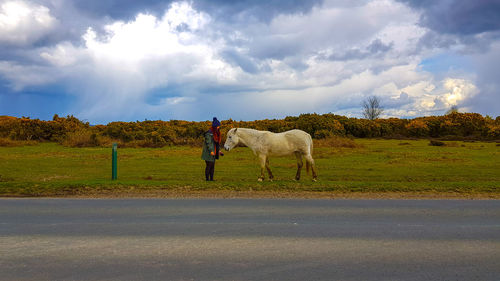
(395, 103)
(77, 15)
(245, 63)
(433, 39)
(120, 9)
(460, 22)
(460, 17)
(262, 10)
(487, 68)
(376, 48)
(292, 56)
(273, 47)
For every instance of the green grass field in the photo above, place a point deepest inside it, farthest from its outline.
(378, 166)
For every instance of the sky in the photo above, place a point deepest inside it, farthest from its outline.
(127, 60)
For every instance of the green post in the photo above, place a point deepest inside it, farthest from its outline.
(114, 161)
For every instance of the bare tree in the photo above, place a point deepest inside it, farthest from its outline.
(372, 108)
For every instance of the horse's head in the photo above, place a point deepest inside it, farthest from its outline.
(232, 139)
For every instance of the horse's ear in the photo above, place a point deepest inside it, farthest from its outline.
(235, 130)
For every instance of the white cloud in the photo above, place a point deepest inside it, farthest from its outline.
(156, 51)
(63, 54)
(121, 65)
(415, 94)
(425, 98)
(176, 65)
(22, 76)
(23, 22)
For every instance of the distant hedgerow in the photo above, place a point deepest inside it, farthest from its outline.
(70, 131)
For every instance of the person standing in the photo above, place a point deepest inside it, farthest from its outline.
(211, 149)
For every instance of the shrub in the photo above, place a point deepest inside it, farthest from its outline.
(493, 131)
(81, 138)
(73, 132)
(315, 124)
(436, 143)
(417, 128)
(321, 134)
(6, 142)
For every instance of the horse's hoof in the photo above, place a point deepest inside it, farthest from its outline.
(259, 179)
(270, 179)
(315, 180)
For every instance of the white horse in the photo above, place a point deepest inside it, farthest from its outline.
(264, 143)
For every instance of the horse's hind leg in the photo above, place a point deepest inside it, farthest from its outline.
(299, 164)
(269, 169)
(262, 159)
(310, 161)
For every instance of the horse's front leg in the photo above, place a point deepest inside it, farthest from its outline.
(262, 159)
(271, 177)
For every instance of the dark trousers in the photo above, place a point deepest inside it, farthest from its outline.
(209, 170)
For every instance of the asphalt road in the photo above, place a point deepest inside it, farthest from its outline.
(233, 239)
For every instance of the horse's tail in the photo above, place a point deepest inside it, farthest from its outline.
(308, 165)
(312, 146)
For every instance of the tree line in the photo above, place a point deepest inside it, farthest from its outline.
(71, 131)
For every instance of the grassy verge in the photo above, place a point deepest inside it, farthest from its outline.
(377, 167)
